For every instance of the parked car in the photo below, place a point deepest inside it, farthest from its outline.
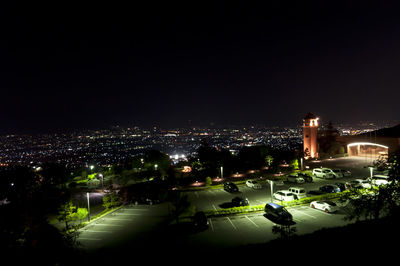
(253, 184)
(323, 173)
(200, 220)
(238, 202)
(231, 187)
(299, 192)
(329, 188)
(295, 178)
(344, 186)
(337, 173)
(360, 183)
(326, 206)
(144, 199)
(307, 178)
(345, 173)
(278, 212)
(285, 195)
(315, 192)
(378, 180)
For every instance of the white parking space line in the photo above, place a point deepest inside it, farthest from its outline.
(215, 208)
(306, 214)
(128, 214)
(118, 219)
(115, 225)
(211, 192)
(211, 224)
(252, 221)
(319, 211)
(134, 209)
(231, 223)
(96, 231)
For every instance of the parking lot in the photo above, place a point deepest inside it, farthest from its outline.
(256, 228)
(129, 222)
(149, 224)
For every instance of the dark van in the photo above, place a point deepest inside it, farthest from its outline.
(277, 211)
(231, 187)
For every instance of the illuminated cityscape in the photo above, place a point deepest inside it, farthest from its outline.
(110, 146)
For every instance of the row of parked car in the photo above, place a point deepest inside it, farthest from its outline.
(328, 173)
(280, 213)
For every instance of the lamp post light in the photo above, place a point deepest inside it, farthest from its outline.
(88, 204)
(222, 172)
(271, 183)
(371, 171)
(102, 180)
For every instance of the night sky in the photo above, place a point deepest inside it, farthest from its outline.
(67, 67)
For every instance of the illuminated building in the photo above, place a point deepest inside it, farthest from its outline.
(310, 132)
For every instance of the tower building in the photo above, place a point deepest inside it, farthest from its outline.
(310, 132)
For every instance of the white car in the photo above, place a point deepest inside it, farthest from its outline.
(323, 173)
(326, 206)
(337, 173)
(361, 183)
(378, 180)
(298, 192)
(295, 178)
(253, 184)
(284, 195)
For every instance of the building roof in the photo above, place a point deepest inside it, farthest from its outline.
(310, 116)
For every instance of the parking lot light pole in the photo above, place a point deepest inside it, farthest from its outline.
(271, 183)
(88, 205)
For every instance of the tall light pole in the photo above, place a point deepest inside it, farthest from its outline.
(88, 205)
(271, 183)
(102, 180)
(222, 172)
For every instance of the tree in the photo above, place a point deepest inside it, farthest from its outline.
(294, 164)
(208, 181)
(284, 231)
(55, 175)
(111, 200)
(156, 162)
(81, 213)
(180, 204)
(269, 159)
(67, 213)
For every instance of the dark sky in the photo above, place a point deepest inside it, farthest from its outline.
(66, 67)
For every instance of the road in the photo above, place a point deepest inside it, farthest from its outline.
(147, 225)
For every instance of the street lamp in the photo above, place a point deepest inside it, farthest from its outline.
(371, 171)
(88, 205)
(102, 180)
(271, 183)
